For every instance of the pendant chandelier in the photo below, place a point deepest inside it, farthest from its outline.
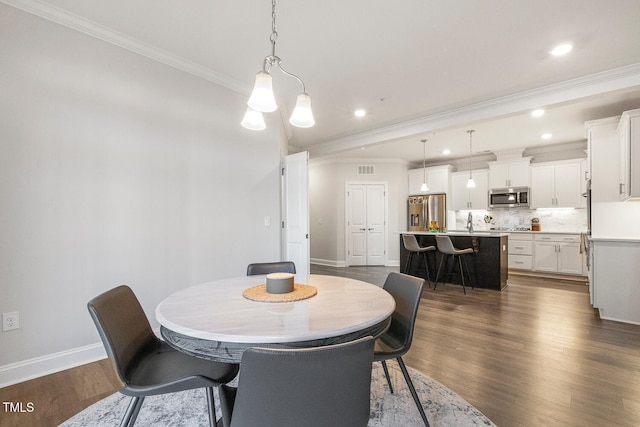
(470, 182)
(262, 99)
(424, 187)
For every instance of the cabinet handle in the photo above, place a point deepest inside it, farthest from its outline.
(518, 247)
(518, 262)
(363, 229)
(621, 188)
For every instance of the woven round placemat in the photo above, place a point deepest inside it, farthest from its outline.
(259, 293)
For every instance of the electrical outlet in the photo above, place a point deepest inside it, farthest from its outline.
(10, 321)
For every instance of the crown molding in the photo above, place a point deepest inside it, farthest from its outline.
(93, 29)
(570, 90)
(361, 160)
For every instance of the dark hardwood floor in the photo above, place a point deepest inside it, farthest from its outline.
(535, 354)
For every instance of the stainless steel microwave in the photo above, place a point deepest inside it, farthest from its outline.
(509, 197)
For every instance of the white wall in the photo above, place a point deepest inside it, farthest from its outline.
(610, 218)
(115, 169)
(327, 206)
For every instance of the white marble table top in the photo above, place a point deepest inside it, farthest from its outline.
(217, 311)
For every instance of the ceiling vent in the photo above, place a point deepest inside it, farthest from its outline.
(366, 170)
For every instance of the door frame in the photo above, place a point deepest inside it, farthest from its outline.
(347, 236)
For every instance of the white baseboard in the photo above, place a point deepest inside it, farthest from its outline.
(328, 262)
(33, 368)
(393, 263)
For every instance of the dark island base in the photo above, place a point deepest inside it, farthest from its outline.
(488, 266)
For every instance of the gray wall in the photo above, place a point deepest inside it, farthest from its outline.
(327, 206)
(116, 169)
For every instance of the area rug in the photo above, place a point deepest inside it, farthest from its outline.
(442, 406)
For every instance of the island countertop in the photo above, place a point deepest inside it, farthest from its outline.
(483, 233)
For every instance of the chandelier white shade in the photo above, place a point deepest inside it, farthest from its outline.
(253, 120)
(302, 115)
(262, 99)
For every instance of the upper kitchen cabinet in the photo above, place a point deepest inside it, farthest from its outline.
(603, 160)
(556, 184)
(514, 173)
(437, 180)
(464, 198)
(629, 134)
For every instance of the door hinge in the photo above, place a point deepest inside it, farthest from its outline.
(282, 224)
(282, 171)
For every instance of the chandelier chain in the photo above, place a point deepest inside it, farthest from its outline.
(470, 132)
(424, 157)
(274, 33)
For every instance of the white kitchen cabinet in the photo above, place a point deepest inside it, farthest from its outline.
(437, 180)
(629, 135)
(557, 253)
(604, 161)
(521, 251)
(464, 198)
(615, 290)
(556, 185)
(510, 174)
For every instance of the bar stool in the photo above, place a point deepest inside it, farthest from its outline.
(446, 248)
(411, 245)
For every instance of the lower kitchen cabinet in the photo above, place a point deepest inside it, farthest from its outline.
(557, 253)
(521, 251)
(614, 288)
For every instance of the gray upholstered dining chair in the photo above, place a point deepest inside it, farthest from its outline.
(396, 341)
(446, 248)
(411, 245)
(271, 267)
(146, 365)
(311, 387)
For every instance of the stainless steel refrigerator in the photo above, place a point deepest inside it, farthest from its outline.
(425, 209)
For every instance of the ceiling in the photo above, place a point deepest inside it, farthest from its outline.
(423, 69)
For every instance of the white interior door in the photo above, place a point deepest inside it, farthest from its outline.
(366, 224)
(296, 211)
(376, 221)
(357, 224)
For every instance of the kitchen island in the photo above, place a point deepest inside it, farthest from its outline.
(488, 266)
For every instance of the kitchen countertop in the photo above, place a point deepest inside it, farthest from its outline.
(459, 233)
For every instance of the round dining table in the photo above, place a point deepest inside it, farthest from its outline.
(215, 321)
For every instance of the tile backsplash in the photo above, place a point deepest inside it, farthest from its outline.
(557, 220)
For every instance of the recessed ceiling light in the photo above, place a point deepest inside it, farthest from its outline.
(537, 113)
(561, 49)
(360, 113)
(446, 151)
(546, 136)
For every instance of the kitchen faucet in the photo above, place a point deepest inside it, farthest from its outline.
(470, 223)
